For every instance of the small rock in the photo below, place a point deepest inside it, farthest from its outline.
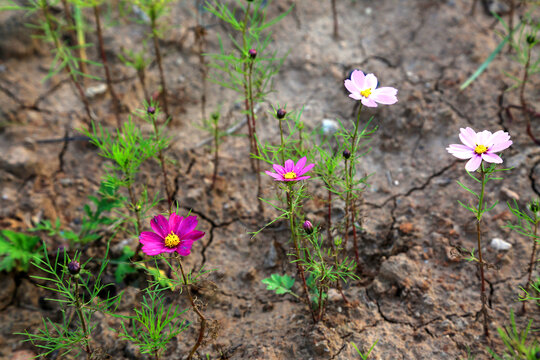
(333, 295)
(500, 244)
(406, 228)
(20, 161)
(94, 91)
(7, 284)
(329, 127)
(270, 259)
(510, 194)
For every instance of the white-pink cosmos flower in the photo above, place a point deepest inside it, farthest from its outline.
(480, 146)
(364, 88)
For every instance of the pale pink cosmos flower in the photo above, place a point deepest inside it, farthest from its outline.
(480, 146)
(291, 172)
(174, 235)
(364, 88)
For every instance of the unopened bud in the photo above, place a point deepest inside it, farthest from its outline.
(346, 154)
(530, 39)
(74, 267)
(252, 53)
(534, 207)
(280, 113)
(308, 227)
(151, 110)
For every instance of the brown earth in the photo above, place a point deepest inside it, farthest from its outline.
(416, 297)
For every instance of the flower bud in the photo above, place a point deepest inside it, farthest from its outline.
(308, 227)
(530, 39)
(337, 241)
(151, 110)
(534, 207)
(280, 113)
(346, 154)
(74, 267)
(252, 53)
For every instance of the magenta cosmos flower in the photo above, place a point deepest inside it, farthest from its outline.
(364, 87)
(176, 234)
(480, 146)
(291, 172)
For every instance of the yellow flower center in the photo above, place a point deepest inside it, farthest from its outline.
(290, 175)
(172, 240)
(366, 93)
(480, 149)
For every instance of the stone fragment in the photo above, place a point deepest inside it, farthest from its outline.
(20, 161)
(500, 244)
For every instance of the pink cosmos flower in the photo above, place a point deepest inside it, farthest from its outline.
(291, 172)
(480, 146)
(364, 87)
(176, 234)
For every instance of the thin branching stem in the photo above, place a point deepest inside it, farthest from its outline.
(108, 79)
(200, 338)
(483, 296)
(162, 163)
(532, 263)
(155, 39)
(78, 309)
(299, 266)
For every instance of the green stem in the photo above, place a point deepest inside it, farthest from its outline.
(299, 266)
(532, 263)
(160, 65)
(200, 338)
(282, 148)
(78, 309)
(254, 134)
(162, 162)
(479, 213)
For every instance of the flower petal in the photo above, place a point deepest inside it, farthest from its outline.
(498, 137)
(277, 177)
(474, 163)
(368, 102)
(193, 236)
(149, 237)
(187, 226)
(154, 249)
(160, 225)
(279, 169)
(460, 151)
(359, 79)
(174, 221)
(350, 85)
(355, 96)
(289, 166)
(371, 82)
(300, 165)
(384, 97)
(468, 137)
(302, 178)
(305, 170)
(500, 146)
(492, 158)
(483, 137)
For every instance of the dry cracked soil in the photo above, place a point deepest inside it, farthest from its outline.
(417, 296)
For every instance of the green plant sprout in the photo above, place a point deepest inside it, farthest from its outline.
(77, 290)
(139, 62)
(480, 148)
(518, 346)
(154, 324)
(527, 226)
(95, 4)
(211, 126)
(154, 10)
(18, 250)
(368, 353)
(64, 59)
(127, 152)
(247, 70)
(93, 220)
